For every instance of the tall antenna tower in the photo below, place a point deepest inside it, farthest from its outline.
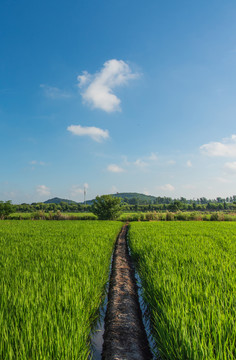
(85, 195)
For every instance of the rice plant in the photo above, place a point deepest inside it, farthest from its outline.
(189, 283)
(52, 281)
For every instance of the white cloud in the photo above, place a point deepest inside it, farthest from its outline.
(140, 163)
(167, 187)
(43, 190)
(84, 79)
(77, 190)
(86, 186)
(153, 157)
(231, 166)
(115, 168)
(93, 132)
(189, 163)
(35, 162)
(225, 148)
(99, 87)
(54, 92)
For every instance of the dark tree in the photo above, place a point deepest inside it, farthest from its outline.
(6, 209)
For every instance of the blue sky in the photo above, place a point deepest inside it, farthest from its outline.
(117, 96)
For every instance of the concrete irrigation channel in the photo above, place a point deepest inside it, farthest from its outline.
(124, 336)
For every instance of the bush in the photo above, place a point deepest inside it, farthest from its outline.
(169, 216)
(181, 216)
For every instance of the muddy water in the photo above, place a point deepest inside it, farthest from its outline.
(97, 342)
(98, 332)
(124, 336)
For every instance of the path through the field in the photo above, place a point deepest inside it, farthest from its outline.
(124, 337)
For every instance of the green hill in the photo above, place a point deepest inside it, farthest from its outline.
(139, 197)
(136, 197)
(57, 200)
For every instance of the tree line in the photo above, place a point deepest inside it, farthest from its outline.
(128, 205)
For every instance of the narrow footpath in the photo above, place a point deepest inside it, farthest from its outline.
(124, 336)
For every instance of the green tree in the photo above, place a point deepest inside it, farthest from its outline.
(106, 207)
(6, 209)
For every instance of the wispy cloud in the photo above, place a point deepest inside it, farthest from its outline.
(223, 180)
(140, 163)
(115, 168)
(54, 92)
(77, 190)
(225, 148)
(167, 187)
(98, 88)
(153, 157)
(189, 164)
(94, 133)
(231, 166)
(43, 190)
(35, 162)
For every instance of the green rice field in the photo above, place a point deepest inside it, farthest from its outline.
(189, 283)
(53, 276)
(52, 281)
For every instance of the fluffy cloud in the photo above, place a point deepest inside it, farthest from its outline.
(231, 166)
(93, 132)
(115, 168)
(43, 190)
(54, 93)
(189, 163)
(225, 148)
(98, 88)
(167, 187)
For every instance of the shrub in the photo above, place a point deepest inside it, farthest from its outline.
(169, 216)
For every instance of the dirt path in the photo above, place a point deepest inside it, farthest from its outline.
(124, 337)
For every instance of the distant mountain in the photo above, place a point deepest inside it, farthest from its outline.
(140, 198)
(57, 200)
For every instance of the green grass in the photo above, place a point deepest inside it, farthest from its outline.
(52, 281)
(189, 283)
